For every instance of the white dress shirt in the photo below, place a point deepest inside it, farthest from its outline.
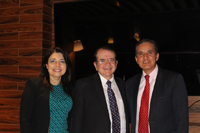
(120, 102)
(152, 80)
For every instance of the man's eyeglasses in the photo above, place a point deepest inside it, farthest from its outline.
(103, 61)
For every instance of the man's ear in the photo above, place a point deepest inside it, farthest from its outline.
(95, 65)
(157, 56)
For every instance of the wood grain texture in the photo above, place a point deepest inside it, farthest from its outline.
(47, 35)
(10, 103)
(9, 20)
(31, 18)
(7, 111)
(10, 94)
(194, 114)
(46, 44)
(47, 28)
(29, 69)
(11, 119)
(30, 35)
(21, 86)
(21, 28)
(4, 128)
(9, 52)
(47, 19)
(21, 10)
(20, 44)
(30, 52)
(8, 36)
(48, 3)
(8, 86)
(16, 77)
(21, 61)
(8, 69)
(9, 3)
(47, 10)
(31, 3)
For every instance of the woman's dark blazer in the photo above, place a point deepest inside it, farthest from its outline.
(34, 110)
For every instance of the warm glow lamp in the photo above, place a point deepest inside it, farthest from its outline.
(77, 45)
(110, 40)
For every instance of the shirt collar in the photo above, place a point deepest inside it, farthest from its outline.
(153, 74)
(104, 80)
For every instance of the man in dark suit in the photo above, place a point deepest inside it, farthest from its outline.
(92, 111)
(165, 92)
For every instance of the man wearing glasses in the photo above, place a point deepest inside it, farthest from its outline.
(99, 100)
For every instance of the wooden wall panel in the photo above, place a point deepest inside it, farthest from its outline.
(10, 103)
(21, 27)
(47, 35)
(7, 128)
(8, 69)
(194, 114)
(29, 69)
(7, 111)
(21, 86)
(30, 35)
(9, 119)
(21, 10)
(31, 3)
(30, 52)
(31, 18)
(9, 20)
(47, 28)
(8, 86)
(21, 44)
(16, 77)
(8, 36)
(11, 94)
(20, 61)
(47, 19)
(9, 52)
(9, 3)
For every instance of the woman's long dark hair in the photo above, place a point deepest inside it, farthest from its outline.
(66, 77)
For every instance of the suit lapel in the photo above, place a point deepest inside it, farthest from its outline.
(100, 93)
(156, 93)
(135, 95)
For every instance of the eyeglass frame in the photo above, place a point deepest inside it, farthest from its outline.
(104, 61)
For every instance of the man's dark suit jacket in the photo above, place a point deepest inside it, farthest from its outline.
(169, 104)
(89, 111)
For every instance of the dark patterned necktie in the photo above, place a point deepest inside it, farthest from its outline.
(114, 109)
(144, 109)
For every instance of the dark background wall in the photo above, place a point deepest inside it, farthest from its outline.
(176, 32)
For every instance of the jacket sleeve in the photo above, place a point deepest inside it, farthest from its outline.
(27, 106)
(77, 109)
(180, 105)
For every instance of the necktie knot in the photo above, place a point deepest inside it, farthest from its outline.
(108, 83)
(147, 77)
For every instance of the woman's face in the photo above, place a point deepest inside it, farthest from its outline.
(56, 66)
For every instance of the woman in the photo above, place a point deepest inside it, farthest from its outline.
(46, 102)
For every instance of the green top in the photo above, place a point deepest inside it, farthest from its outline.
(60, 104)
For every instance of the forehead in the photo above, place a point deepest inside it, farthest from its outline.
(56, 55)
(145, 47)
(104, 53)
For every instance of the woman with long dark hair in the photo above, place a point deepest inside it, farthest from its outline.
(46, 100)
